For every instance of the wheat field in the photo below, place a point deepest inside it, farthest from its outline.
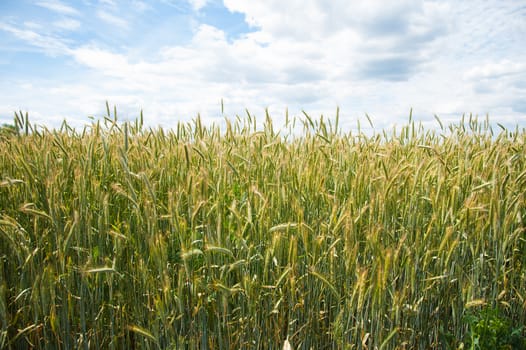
(249, 236)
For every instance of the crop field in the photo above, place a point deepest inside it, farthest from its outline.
(118, 236)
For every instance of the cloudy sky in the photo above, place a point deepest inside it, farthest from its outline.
(176, 58)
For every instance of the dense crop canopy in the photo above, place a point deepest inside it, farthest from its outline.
(119, 236)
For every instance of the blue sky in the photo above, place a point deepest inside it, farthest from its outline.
(176, 58)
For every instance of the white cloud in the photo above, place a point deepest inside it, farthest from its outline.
(112, 19)
(383, 40)
(177, 4)
(49, 44)
(198, 4)
(494, 70)
(32, 25)
(381, 58)
(67, 24)
(110, 3)
(57, 6)
(108, 63)
(501, 82)
(140, 6)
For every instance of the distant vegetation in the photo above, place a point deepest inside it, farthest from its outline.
(7, 130)
(117, 236)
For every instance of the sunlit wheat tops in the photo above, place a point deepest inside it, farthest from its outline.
(117, 236)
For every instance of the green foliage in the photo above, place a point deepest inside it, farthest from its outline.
(490, 330)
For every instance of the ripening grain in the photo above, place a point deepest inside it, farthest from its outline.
(118, 236)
